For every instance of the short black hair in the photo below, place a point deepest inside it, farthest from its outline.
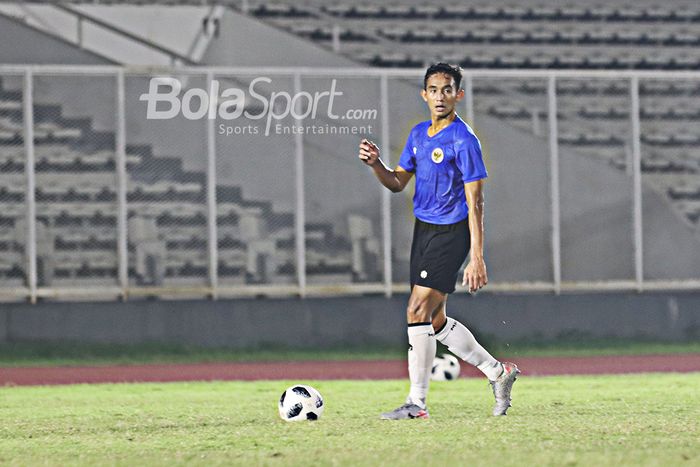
(453, 70)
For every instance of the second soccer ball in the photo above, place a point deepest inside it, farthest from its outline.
(445, 368)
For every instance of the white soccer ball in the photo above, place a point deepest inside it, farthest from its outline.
(301, 402)
(445, 368)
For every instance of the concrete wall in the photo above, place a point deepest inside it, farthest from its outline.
(351, 322)
(23, 44)
(247, 41)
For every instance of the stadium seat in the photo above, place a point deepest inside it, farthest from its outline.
(336, 10)
(397, 11)
(426, 11)
(513, 12)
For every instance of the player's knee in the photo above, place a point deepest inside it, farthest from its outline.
(418, 311)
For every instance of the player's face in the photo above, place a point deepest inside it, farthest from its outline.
(441, 95)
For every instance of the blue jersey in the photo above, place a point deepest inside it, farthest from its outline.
(443, 163)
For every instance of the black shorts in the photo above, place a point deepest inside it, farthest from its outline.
(437, 254)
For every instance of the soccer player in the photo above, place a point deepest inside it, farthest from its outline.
(448, 204)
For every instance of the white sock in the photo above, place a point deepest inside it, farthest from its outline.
(462, 343)
(421, 353)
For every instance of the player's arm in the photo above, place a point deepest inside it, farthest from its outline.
(395, 180)
(475, 273)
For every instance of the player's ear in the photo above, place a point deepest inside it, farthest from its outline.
(424, 94)
(460, 94)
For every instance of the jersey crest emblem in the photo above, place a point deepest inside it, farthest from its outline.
(437, 155)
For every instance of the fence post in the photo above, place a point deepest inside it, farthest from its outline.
(120, 167)
(300, 212)
(29, 166)
(386, 195)
(212, 234)
(79, 32)
(469, 98)
(335, 37)
(554, 182)
(637, 185)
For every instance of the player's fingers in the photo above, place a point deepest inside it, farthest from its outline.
(472, 283)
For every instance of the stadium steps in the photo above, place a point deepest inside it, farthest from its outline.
(83, 217)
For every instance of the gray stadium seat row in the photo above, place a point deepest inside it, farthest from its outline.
(82, 218)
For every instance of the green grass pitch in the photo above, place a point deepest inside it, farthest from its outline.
(649, 419)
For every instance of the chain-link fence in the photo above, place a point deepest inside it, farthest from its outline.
(166, 189)
(256, 194)
(511, 117)
(75, 181)
(13, 188)
(670, 166)
(343, 202)
(596, 167)
(198, 182)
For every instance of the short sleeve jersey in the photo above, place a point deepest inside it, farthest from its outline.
(442, 163)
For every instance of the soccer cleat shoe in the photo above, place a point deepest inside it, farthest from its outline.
(405, 412)
(502, 387)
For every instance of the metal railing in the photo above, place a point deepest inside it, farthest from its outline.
(82, 17)
(213, 286)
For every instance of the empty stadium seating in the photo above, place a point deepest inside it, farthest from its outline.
(76, 199)
(592, 113)
(593, 117)
(546, 35)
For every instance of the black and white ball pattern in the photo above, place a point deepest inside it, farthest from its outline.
(445, 368)
(301, 403)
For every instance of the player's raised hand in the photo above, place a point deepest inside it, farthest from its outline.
(369, 152)
(475, 276)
